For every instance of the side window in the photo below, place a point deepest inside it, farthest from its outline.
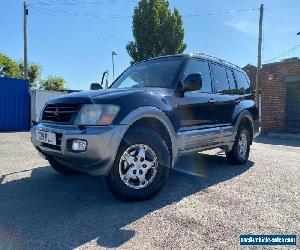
(231, 81)
(242, 83)
(199, 66)
(220, 79)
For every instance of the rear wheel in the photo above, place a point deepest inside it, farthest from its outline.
(141, 166)
(60, 168)
(241, 148)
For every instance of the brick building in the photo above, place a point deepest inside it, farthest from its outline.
(280, 95)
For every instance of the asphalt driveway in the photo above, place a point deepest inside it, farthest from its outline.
(206, 204)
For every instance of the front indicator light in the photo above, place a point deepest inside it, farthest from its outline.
(79, 145)
(105, 120)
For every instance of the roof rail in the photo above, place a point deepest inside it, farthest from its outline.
(221, 60)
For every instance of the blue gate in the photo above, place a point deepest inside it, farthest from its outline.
(14, 104)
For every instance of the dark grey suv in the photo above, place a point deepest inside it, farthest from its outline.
(156, 110)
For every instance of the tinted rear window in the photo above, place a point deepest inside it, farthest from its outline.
(242, 82)
(220, 79)
(231, 81)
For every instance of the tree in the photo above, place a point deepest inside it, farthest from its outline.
(10, 68)
(53, 83)
(157, 31)
(34, 74)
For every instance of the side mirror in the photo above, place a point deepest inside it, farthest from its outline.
(95, 86)
(193, 82)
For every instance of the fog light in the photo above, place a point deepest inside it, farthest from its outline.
(79, 145)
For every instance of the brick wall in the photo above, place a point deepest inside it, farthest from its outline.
(273, 91)
(272, 99)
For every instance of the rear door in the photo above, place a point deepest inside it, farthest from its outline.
(224, 101)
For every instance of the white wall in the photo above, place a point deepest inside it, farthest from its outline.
(39, 99)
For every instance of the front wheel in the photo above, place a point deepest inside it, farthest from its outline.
(241, 148)
(141, 166)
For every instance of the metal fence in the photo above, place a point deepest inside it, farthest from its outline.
(14, 104)
(38, 100)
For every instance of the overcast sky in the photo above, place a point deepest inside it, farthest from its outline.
(75, 40)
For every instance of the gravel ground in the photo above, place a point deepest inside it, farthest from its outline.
(206, 203)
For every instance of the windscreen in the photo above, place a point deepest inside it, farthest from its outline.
(161, 72)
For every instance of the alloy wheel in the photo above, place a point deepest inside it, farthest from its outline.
(243, 145)
(138, 166)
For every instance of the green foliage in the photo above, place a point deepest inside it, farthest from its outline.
(53, 83)
(10, 68)
(34, 74)
(157, 31)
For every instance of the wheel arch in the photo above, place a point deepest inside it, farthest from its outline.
(245, 118)
(155, 119)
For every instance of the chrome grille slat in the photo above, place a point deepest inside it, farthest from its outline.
(60, 113)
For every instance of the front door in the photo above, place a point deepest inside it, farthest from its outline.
(196, 108)
(195, 111)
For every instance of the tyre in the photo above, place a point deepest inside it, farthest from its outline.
(60, 168)
(141, 166)
(241, 147)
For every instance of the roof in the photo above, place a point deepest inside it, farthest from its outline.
(215, 59)
(202, 56)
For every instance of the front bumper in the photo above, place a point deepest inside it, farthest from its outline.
(102, 146)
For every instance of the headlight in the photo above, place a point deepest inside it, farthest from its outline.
(96, 114)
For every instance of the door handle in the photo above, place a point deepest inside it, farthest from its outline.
(212, 101)
(237, 101)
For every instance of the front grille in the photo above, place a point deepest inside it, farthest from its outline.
(58, 143)
(60, 113)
